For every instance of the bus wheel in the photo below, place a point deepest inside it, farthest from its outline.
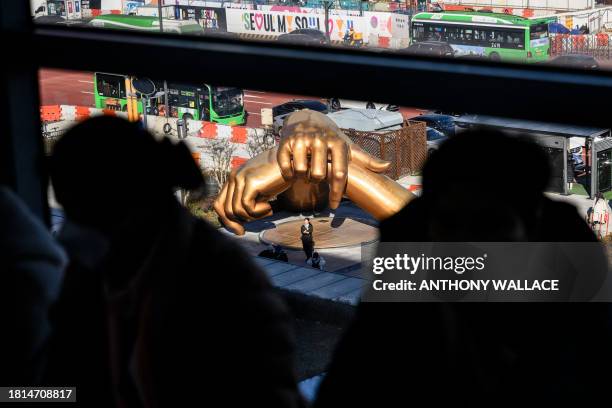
(167, 128)
(494, 56)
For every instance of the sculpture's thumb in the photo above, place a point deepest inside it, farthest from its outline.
(364, 159)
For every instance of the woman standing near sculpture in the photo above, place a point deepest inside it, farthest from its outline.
(307, 238)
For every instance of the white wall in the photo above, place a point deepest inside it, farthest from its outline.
(112, 5)
(386, 24)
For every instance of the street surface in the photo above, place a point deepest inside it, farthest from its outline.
(58, 87)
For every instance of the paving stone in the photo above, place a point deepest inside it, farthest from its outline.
(337, 289)
(278, 267)
(293, 276)
(308, 285)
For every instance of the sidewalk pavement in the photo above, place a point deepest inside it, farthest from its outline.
(312, 282)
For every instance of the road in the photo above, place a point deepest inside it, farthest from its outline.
(59, 87)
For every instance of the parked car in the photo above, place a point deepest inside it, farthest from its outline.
(434, 139)
(337, 104)
(441, 123)
(279, 112)
(367, 120)
(574, 61)
(577, 155)
(309, 36)
(431, 48)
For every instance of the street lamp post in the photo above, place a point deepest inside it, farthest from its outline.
(159, 12)
(146, 88)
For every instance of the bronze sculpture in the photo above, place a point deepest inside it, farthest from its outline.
(315, 165)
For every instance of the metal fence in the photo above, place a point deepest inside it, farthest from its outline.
(405, 148)
(597, 45)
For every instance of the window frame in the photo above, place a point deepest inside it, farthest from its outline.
(409, 80)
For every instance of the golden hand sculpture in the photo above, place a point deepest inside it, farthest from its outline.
(316, 164)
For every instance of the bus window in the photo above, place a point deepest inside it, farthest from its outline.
(204, 104)
(181, 98)
(227, 101)
(187, 99)
(173, 100)
(112, 86)
(418, 32)
(604, 170)
(514, 38)
(538, 31)
(469, 35)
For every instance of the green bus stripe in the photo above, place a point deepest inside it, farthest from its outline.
(518, 27)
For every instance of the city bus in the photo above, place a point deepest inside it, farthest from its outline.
(145, 23)
(222, 105)
(495, 36)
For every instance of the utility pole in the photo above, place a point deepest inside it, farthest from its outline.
(327, 4)
(145, 100)
(181, 132)
(159, 12)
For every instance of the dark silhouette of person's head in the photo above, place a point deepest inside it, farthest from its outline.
(106, 168)
(483, 185)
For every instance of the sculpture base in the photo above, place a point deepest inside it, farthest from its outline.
(337, 232)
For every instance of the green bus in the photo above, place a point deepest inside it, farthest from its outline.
(145, 23)
(495, 36)
(222, 105)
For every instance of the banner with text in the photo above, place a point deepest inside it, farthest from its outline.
(277, 23)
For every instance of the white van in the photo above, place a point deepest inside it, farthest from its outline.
(367, 120)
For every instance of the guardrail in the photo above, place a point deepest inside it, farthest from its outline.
(597, 45)
(57, 119)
